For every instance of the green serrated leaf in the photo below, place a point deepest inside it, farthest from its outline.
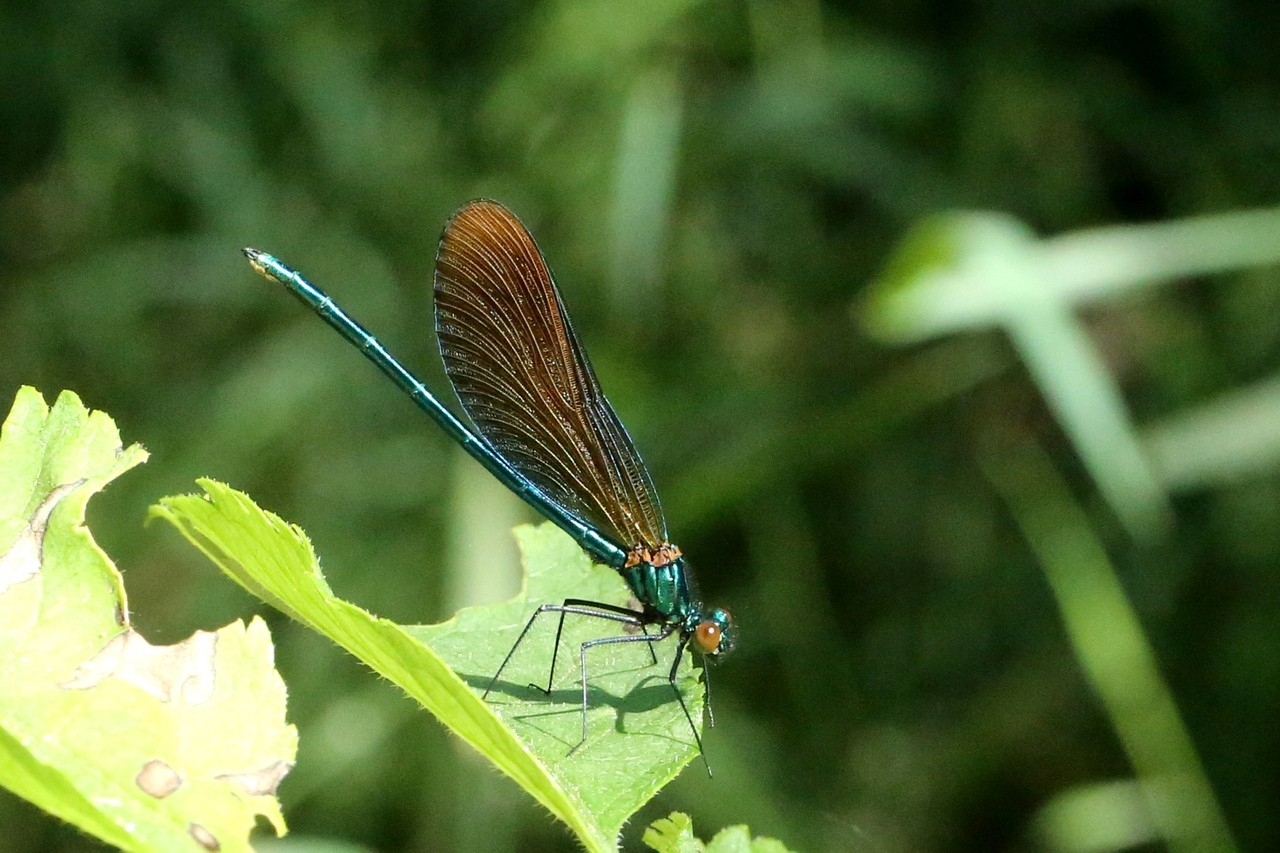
(146, 747)
(638, 737)
(674, 834)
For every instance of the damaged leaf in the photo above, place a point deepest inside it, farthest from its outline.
(146, 747)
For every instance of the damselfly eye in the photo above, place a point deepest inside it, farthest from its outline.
(707, 637)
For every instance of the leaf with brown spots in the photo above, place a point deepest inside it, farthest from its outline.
(146, 747)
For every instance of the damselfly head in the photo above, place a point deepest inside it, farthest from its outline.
(715, 635)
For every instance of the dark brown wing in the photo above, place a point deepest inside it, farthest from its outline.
(525, 381)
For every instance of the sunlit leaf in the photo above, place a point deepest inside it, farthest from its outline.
(674, 834)
(638, 738)
(146, 747)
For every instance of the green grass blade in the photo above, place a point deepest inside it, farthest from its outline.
(975, 270)
(1115, 654)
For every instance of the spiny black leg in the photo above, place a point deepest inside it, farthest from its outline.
(577, 606)
(555, 653)
(611, 611)
(671, 679)
(515, 646)
(582, 654)
(706, 693)
(607, 641)
(644, 628)
(633, 616)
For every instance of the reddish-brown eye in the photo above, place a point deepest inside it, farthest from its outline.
(707, 637)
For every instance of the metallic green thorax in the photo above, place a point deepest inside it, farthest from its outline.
(664, 589)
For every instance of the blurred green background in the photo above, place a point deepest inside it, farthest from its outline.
(956, 635)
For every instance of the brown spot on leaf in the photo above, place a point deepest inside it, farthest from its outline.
(260, 782)
(182, 672)
(22, 561)
(158, 779)
(203, 837)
